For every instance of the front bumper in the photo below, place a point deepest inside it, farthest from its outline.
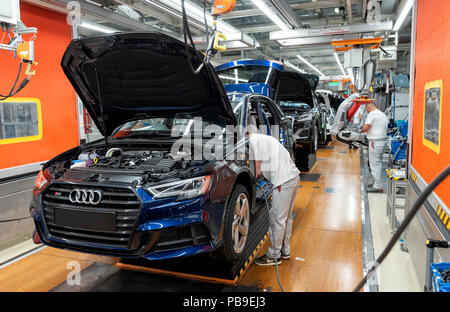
(161, 229)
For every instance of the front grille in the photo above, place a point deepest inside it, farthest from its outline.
(119, 200)
(181, 237)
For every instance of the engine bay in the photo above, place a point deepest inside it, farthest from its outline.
(102, 163)
(155, 161)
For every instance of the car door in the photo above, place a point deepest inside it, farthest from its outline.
(275, 117)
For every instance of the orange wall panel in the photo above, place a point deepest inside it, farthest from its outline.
(50, 85)
(432, 62)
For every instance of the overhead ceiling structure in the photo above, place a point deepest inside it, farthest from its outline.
(275, 29)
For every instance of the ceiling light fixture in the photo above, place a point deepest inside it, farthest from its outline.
(339, 63)
(235, 39)
(310, 65)
(196, 13)
(260, 4)
(97, 27)
(401, 18)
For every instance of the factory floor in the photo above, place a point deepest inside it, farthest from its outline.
(326, 246)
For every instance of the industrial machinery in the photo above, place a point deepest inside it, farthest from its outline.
(24, 49)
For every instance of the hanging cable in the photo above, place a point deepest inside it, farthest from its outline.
(12, 220)
(21, 86)
(187, 35)
(416, 206)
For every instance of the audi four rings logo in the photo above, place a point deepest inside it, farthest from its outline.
(85, 196)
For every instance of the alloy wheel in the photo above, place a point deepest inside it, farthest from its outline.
(240, 223)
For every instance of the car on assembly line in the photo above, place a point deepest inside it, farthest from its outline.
(293, 93)
(136, 193)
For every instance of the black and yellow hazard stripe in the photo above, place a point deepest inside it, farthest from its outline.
(391, 175)
(251, 258)
(413, 176)
(443, 216)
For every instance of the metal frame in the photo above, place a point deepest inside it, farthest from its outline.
(395, 184)
(426, 224)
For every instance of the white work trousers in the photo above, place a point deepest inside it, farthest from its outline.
(281, 218)
(376, 148)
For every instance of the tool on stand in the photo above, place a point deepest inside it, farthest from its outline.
(21, 48)
(213, 36)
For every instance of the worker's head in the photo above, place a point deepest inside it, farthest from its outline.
(371, 107)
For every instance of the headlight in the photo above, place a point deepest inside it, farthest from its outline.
(304, 118)
(183, 189)
(41, 181)
(303, 123)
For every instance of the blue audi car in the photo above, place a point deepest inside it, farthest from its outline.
(172, 176)
(293, 93)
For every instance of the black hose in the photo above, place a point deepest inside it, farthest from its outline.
(186, 35)
(276, 260)
(11, 92)
(12, 220)
(403, 225)
(186, 29)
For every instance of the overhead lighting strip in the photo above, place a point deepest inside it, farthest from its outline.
(310, 65)
(196, 13)
(401, 18)
(97, 27)
(260, 4)
(235, 39)
(290, 65)
(339, 63)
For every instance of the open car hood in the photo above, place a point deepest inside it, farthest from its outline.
(128, 76)
(295, 86)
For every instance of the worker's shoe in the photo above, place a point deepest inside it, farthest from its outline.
(374, 190)
(265, 260)
(285, 257)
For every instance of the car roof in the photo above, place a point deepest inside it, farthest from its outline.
(267, 63)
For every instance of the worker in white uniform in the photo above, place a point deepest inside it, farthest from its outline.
(274, 163)
(375, 128)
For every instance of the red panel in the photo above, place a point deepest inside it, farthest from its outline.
(432, 63)
(50, 85)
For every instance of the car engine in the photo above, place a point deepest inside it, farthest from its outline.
(155, 161)
(150, 166)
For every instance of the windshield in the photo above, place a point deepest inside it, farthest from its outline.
(166, 127)
(248, 74)
(294, 106)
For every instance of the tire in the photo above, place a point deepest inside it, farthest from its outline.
(324, 137)
(329, 138)
(305, 160)
(234, 240)
(314, 141)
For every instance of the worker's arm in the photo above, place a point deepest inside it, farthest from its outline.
(365, 128)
